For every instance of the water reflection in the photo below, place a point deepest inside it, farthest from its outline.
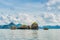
(34, 34)
(29, 35)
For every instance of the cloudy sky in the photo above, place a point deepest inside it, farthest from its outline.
(44, 12)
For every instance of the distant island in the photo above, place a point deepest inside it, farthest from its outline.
(34, 25)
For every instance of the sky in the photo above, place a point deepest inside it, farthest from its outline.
(44, 12)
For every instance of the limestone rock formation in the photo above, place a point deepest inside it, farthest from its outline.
(34, 25)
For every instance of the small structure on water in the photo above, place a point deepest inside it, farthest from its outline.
(13, 27)
(45, 28)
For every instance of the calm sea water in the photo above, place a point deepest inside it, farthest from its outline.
(52, 34)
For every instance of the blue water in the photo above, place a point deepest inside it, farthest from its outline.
(51, 34)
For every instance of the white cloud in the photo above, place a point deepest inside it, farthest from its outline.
(53, 6)
(58, 7)
(32, 9)
(47, 19)
(53, 19)
(52, 2)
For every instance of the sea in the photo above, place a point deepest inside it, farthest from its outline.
(40, 34)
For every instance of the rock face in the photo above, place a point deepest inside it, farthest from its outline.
(34, 25)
